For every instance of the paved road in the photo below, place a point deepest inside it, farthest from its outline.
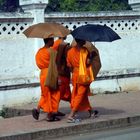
(129, 133)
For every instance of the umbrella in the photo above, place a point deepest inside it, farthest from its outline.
(95, 32)
(96, 62)
(46, 30)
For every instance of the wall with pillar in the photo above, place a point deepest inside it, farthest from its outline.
(120, 59)
(19, 76)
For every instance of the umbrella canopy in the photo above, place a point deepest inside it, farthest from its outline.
(96, 62)
(46, 30)
(95, 32)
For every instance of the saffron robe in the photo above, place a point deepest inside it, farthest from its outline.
(79, 101)
(63, 70)
(96, 62)
(50, 99)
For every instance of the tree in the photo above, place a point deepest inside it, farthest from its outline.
(1, 2)
(68, 5)
(9, 5)
(53, 5)
(71, 5)
(87, 5)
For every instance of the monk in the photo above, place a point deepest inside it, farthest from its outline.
(63, 70)
(82, 76)
(50, 98)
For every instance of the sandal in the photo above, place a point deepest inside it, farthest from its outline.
(94, 113)
(73, 120)
(52, 119)
(60, 114)
(35, 114)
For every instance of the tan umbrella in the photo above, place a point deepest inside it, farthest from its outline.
(46, 30)
(96, 62)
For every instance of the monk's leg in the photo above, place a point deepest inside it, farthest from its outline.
(55, 99)
(64, 87)
(42, 104)
(81, 101)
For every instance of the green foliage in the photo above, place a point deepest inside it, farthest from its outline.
(53, 5)
(68, 5)
(87, 5)
(3, 112)
(72, 5)
(1, 2)
(9, 5)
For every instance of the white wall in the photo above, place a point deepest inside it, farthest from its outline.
(17, 53)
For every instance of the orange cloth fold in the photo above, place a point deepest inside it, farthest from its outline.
(52, 78)
(85, 73)
(63, 70)
(64, 87)
(57, 43)
(49, 100)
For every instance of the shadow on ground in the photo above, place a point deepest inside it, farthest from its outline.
(12, 112)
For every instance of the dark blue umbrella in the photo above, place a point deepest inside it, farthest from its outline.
(95, 32)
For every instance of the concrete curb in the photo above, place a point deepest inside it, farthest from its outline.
(83, 127)
(9, 112)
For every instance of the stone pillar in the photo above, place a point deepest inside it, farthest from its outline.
(135, 4)
(36, 8)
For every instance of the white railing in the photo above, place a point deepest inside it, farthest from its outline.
(120, 59)
(14, 24)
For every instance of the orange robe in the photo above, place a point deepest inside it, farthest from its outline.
(79, 101)
(65, 92)
(64, 87)
(50, 99)
(57, 43)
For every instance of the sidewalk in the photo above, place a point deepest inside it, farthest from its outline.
(115, 110)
